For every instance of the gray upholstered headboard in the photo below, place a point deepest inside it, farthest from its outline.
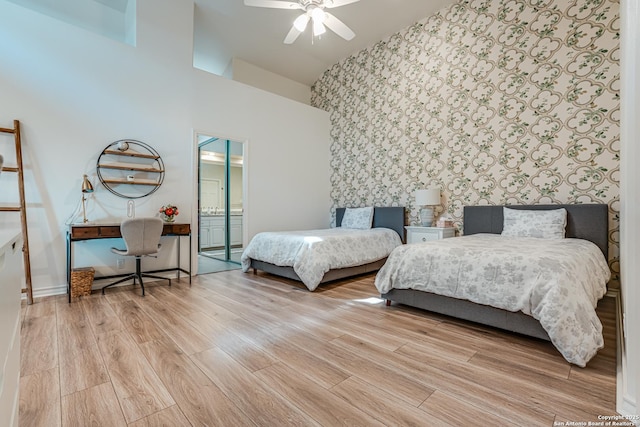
(387, 217)
(588, 221)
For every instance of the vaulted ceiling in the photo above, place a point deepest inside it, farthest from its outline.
(225, 29)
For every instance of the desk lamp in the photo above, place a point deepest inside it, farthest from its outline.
(426, 198)
(86, 188)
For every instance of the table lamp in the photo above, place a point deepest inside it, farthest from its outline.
(426, 198)
(86, 188)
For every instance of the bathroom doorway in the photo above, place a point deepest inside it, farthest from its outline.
(220, 203)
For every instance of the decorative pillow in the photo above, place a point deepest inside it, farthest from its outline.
(543, 224)
(361, 218)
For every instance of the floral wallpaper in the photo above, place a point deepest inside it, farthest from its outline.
(492, 101)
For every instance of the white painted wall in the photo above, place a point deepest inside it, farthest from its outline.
(107, 17)
(75, 92)
(244, 72)
(628, 396)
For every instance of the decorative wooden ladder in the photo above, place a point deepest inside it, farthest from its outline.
(22, 208)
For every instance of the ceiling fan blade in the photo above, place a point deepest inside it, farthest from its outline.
(336, 3)
(338, 27)
(292, 35)
(273, 4)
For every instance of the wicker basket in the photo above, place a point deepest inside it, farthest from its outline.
(81, 281)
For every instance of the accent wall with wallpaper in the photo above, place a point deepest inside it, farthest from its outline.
(494, 102)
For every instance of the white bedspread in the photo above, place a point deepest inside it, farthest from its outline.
(558, 282)
(312, 253)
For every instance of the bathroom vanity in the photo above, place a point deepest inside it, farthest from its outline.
(212, 233)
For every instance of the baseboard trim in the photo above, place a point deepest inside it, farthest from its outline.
(62, 289)
(48, 291)
(629, 408)
(625, 404)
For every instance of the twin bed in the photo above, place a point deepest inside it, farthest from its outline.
(546, 286)
(318, 256)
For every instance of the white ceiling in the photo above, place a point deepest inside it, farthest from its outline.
(225, 29)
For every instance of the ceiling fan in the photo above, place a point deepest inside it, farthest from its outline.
(314, 12)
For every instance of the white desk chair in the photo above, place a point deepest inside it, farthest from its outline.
(142, 238)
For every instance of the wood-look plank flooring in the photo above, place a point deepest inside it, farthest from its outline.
(236, 349)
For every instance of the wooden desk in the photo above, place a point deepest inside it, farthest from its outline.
(80, 232)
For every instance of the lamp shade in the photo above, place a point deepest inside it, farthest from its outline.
(428, 197)
(87, 187)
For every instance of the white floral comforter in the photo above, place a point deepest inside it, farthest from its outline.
(558, 282)
(312, 253)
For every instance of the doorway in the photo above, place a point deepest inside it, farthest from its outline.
(220, 203)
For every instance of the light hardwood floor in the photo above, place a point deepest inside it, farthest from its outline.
(236, 349)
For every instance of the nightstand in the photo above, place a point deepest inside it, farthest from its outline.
(418, 234)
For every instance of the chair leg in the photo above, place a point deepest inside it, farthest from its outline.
(157, 277)
(137, 276)
(129, 277)
(139, 272)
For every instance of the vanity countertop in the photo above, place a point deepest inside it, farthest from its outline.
(220, 215)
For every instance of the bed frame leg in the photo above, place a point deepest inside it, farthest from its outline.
(255, 271)
(388, 303)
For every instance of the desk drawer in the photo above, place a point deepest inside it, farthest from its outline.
(110, 231)
(180, 229)
(92, 232)
(84, 233)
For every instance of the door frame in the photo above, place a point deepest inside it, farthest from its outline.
(195, 214)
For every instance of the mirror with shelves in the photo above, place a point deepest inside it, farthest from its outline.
(130, 169)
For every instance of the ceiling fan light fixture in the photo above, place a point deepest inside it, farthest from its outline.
(318, 15)
(313, 10)
(301, 22)
(318, 28)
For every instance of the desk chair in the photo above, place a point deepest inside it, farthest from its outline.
(141, 237)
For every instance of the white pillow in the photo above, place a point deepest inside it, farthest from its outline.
(361, 218)
(548, 224)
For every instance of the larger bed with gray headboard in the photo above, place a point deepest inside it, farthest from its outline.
(415, 275)
(312, 258)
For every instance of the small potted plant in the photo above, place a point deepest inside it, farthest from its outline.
(169, 212)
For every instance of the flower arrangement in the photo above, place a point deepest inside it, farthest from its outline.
(169, 212)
